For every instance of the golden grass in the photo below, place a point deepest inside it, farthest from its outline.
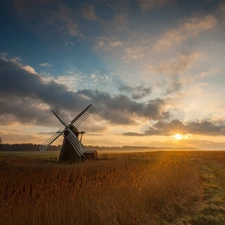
(138, 188)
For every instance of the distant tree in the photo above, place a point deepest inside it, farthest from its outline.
(0, 141)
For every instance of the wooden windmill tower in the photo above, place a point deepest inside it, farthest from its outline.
(72, 149)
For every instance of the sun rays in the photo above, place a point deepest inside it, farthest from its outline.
(178, 136)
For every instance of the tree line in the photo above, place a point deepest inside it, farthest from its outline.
(34, 147)
(26, 147)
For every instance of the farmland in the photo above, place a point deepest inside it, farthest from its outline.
(164, 187)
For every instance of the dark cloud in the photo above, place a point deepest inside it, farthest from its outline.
(146, 5)
(136, 92)
(206, 127)
(16, 81)
(23, 95)
(202, 127)
(120, 109)
(23, 110)
(155, 109)
(116, 110)
(49, 15)
(174, 86)
(166, 128)
(88, 13)
(134, 134)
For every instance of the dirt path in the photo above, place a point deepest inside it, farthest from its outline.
(210, 210)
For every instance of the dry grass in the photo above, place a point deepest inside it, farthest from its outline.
(144, 188)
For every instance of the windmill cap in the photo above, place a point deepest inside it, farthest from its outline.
(74, 129)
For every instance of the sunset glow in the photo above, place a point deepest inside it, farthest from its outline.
(151, 69)
(178, 136)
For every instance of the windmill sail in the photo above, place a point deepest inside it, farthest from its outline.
(50, 140)
(80, 118)
(61, 116)
(78, 147)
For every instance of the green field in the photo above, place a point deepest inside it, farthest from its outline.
(166, 187)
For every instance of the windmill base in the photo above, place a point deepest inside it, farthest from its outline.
(68, 154)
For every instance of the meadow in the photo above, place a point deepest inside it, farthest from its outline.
(165, 187)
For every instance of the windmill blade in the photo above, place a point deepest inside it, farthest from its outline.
(77, 145)
(45, 145)
(61, 116)
(80, 118)
(83, 149)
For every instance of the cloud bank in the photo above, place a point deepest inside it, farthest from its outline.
(198, 127)
(25, 93)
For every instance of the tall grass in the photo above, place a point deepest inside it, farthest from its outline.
(143, 188)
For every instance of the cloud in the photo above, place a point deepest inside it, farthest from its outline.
(177, 71)
(74, 80)
(221, 11)
(190, 28)
(137, 92)
(48, 14)
(199, 127)
(135, 52)
(146, 5)
(3, 55)
(118, 21)
(89, 13)
(16, 110)
(24, 87)
(174, 87)
(120, 109)
(23, 95)
(136, 49)
(108, 43)
(18, 136)
(166, 128)
(64, 21)
(177, 66)
(45, 64)
(29, 69)
(204, 127)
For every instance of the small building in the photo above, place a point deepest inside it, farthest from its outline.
(90, 155)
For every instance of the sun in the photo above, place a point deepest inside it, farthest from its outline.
(178, 136)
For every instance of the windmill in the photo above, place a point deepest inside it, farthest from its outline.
(72, 148)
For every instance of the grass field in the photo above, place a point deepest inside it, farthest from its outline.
(180, 188)
(31, 154)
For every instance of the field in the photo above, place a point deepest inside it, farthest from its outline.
(165, 187)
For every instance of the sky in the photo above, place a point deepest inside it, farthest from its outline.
(153, 69)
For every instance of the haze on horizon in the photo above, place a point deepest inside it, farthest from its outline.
(153, 69)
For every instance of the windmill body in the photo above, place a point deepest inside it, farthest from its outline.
(67, 152)
(72, 148)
